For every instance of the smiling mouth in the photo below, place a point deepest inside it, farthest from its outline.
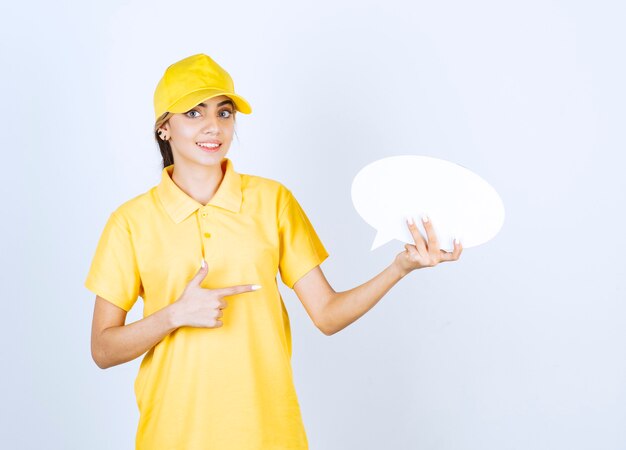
(207, 147)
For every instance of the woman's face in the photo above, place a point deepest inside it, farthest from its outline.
(192, 133)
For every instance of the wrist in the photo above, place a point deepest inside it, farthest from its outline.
(398, 270)
(172, 316)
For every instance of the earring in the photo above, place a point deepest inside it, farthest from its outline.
(162, 135)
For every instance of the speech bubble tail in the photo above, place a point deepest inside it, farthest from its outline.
(379, 240)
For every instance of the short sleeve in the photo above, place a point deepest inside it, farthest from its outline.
(113, 274)
(300, 247)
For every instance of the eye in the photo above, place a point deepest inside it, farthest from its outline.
(192, 111)
(230, 113)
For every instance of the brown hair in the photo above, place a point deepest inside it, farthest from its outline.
(164, 146)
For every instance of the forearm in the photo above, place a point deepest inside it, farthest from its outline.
(124, 343)
(347, 306)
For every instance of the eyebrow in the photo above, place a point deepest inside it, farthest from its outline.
(219, 104)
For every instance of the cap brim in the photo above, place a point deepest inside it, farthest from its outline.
(194, 98)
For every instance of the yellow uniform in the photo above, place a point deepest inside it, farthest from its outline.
(212, 388)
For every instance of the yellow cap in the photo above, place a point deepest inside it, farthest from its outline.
(191, 81)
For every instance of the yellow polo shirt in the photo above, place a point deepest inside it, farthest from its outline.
(212, 388)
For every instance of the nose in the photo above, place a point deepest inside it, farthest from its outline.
(210, 125)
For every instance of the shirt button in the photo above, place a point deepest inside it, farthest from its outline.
(204, 214)
(207, 235)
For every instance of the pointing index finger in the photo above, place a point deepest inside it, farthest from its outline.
(240, 289)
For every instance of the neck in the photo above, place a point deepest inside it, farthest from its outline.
(199, 182)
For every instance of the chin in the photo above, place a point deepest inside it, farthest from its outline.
(199, 157)
(211, 159)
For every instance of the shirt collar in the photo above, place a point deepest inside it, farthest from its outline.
(179, 205)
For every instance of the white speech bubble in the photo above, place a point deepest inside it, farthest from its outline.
(457, 201)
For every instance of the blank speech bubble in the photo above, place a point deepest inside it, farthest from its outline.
(457, 201)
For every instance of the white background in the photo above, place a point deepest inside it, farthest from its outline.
(518, 345)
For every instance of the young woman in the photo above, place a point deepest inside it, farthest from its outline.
(217, 373)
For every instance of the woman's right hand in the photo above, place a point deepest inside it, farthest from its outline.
(200, 307)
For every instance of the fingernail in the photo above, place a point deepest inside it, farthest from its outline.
(457, 240)
(202, 263)
(410, 220)
(424, 217)
(256, 287)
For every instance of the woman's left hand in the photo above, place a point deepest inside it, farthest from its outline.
(424, 254)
